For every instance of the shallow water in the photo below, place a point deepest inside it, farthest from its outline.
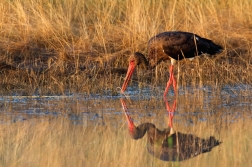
(200, 103)
(203, 111)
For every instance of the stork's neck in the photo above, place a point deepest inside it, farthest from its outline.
(141, 60)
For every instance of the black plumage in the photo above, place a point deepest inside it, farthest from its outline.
(173, 46)
(178, 45)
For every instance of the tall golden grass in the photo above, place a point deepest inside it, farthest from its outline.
(48, 47)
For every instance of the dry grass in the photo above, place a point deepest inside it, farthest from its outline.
(67, 46)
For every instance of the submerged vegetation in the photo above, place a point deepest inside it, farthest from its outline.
(51, 47)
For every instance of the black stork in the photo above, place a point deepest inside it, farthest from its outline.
(167, 144)
(173, 46)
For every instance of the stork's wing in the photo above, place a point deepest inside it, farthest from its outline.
(180, 45)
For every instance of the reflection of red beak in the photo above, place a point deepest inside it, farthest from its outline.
(131, 125)
(130, 71)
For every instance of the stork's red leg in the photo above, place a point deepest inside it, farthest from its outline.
(174, 83)
(171, 81)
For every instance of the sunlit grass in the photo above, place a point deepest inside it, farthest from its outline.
(50, 47)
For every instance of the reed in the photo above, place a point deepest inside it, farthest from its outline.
(54, 47)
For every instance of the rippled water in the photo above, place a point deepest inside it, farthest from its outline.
(82, 109)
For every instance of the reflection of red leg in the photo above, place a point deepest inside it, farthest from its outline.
(170, 81)
(131, 125)
(170, 111)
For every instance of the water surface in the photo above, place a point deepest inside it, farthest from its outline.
(221, 112)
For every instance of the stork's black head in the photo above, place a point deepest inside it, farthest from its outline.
(141, 60)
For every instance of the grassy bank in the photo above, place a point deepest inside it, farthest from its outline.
(51, 47)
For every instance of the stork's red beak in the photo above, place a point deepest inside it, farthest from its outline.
(130, 71)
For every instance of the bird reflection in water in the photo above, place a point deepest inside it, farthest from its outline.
(168, 144)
